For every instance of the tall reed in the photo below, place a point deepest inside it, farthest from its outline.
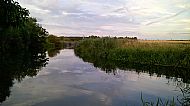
(154, 53)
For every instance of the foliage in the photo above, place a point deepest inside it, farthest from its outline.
(16, 65)
(159, 102)
(54, 42)
(72, 39)
(176, 55)
(52, 52)
(171, 60)
(12, 14)
(96, 47)
(22, 41)
(185, 101)
(168, 59)
(17, 29)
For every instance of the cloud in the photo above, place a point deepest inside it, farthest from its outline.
(108, 27)
(104, 17)
(37, 9)
(166, 18)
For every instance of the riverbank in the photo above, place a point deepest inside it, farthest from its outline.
(66, 79)
(162, 53)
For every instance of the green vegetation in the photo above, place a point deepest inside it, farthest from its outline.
(55, 42)
(72, 39)
(16, 65)
(134, 51)
(19, 31)
(110, 54)
(184, 101)
(168, 58)
(22, 41)
(159, 102)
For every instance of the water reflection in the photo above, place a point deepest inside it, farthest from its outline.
(16, 65)
(185, 100)
(110, 66)
(178, 75)
(67, 80)
(53, 52)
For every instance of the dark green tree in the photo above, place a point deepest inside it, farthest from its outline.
(12, 14)
(17, 29)
(22, 41)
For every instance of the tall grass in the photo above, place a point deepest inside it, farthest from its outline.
(159, 102)
(97, 48)
(134, 51)
(169, 58)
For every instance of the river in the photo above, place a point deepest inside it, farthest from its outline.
(69, 81)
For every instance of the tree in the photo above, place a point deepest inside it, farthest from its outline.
(21, 45)
(17, 29)
(12, 14)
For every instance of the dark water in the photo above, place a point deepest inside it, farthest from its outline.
(69, 81)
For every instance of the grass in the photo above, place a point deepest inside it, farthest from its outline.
(159, 102)
(164, 53)
(170, 58)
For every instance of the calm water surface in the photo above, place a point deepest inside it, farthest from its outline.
(69, 81)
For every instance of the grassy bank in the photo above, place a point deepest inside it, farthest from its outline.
(162, 53)
(168, 58)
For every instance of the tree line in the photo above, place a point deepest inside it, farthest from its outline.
(17, 29)
(22, 46)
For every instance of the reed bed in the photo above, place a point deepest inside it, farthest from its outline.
(164, 53)
(170, 58)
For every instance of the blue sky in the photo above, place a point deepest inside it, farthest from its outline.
(146, 19)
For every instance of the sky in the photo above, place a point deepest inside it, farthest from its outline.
(145, 19)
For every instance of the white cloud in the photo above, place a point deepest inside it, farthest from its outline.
(36, 9)
(110, 17)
